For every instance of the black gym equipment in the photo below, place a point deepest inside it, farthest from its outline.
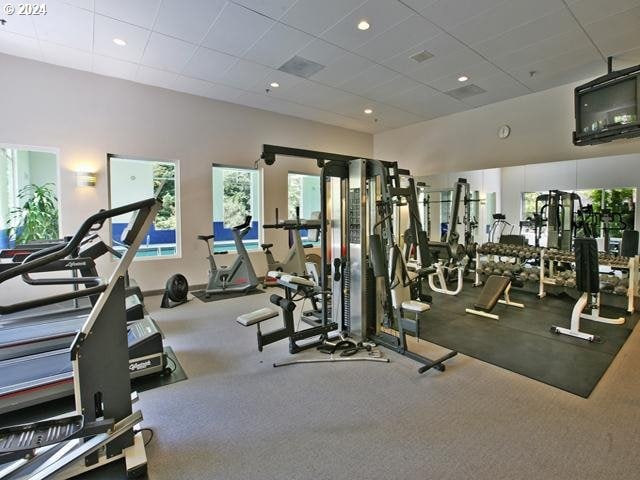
(587, 282)
(494, 288)
(175, 292)
(101, 430)
(30, 377)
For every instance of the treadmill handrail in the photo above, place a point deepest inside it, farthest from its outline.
(68, 249)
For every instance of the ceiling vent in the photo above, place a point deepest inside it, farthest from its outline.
(422, 56)
(300, 67)
(465, 92)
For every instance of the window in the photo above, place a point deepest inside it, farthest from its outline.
(132, 180)
(236, 194)
(28, 196)
(304, 192)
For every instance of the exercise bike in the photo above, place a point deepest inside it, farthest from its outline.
(240, 276)
(295, 260)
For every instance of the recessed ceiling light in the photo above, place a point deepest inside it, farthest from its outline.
(119, 42)
(463, 78)
(368, 111)
(363, 25)
(274, 84)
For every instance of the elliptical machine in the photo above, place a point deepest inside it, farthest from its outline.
(295, 261)
(240, 276)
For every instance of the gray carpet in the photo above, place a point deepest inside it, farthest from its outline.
(236, 417)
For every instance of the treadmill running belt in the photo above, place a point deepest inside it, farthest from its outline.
(33, 368)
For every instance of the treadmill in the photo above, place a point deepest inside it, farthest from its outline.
(40, 377)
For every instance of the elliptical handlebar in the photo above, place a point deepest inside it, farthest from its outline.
(58, 252)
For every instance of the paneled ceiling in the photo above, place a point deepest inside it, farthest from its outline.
(232, 50)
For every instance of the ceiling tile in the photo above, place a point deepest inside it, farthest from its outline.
(66, 25)
(321, 52)
(553, 67)
(205, 89)
(236, 29)
(19, 45)
(439, 46)
(498, 87)
(381, 15)
(618, 32)
(503, 18)
(439, 67)
(285, 80)
(208, 65)
(106, 29)
(399, 38)
(86, 4)
(482, 69)
(449, 13)
(387, 116)
(371, 77)
(345, 67)
(277, 45)
(619, 42)
(153, 76)
(245, 74)
(65, 56)
(167, 53)
(21, 24)
(397, 85)
(190, 23)
(271, 8)
(138, 12)
(313, 16)
(547, 48)
(424, 102)
(527, 34)
(113, 67)
(589, 11)
(586, 70)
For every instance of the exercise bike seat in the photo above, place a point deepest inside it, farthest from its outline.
(266, 245)
(491, 292)
(205, 237)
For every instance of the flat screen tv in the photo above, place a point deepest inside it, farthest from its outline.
(607, 108)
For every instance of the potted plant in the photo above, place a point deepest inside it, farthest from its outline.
(37, 218)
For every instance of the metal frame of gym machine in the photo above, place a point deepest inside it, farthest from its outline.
(101, 430)
(362, 194)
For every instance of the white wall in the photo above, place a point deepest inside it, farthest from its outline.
(87, 116)
(541, 126)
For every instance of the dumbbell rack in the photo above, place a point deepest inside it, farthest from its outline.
(499, 251)
(553, 257)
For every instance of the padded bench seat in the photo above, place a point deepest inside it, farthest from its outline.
(415, 306)
(257, 316)
(491, 293)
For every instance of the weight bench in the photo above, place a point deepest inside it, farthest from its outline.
(495, 287)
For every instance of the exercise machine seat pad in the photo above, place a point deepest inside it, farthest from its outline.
(491, 292)
(257, 316)
(205, 237)
(266, 245)
(274, 273)
(295, 280)
(587, 267)
(415, 306)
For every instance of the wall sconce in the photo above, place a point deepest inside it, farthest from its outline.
(85, 179)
